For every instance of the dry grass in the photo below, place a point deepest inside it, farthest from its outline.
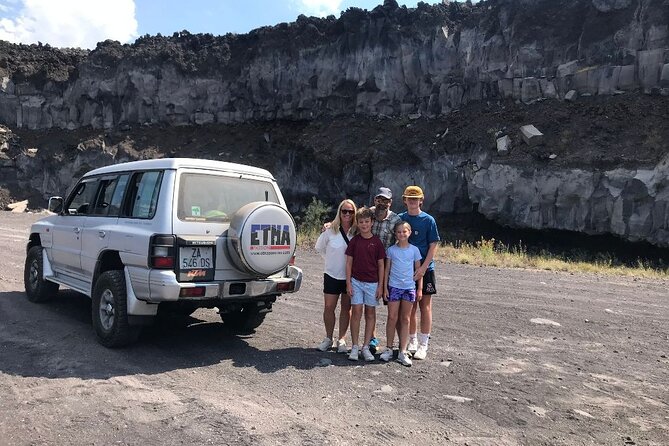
(308, 238)
(495, 254)
(490, 253)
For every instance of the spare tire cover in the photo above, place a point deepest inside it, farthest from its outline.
(261, 238)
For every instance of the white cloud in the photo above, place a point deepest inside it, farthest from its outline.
(322, 7)
(70, 23)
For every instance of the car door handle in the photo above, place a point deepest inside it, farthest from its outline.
(77, 230)
(102, 234)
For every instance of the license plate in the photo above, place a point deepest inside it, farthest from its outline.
(196, 263)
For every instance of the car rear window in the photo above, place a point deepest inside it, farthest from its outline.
(211, 197)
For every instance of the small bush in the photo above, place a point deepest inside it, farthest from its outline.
(314, 215)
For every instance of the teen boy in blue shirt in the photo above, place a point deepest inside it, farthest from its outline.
(425, 236)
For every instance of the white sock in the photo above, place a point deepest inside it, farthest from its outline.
(412, 337)
(424, 338)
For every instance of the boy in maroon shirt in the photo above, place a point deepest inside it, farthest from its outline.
(365, 256)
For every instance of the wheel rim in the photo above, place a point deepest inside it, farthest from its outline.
(107, 312)
(34, 275)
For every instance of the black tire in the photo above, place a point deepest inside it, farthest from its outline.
(37, 289)
(109, 311)
(243, 320)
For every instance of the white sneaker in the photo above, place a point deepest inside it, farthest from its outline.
(421, 353)
(325, 345)
(354, 353)
(387, 354)
(413, 345)
(403, 358)
(341, 346)
(367, 354)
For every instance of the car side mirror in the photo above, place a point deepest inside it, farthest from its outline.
(56, 205)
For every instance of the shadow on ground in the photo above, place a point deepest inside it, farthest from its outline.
(56, 340)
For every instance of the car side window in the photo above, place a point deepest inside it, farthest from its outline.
(82, 198)
(104, 197)
(143, 194)
(117, 198)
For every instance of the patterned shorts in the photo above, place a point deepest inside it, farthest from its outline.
(397, 294)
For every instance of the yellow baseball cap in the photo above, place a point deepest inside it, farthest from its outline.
(413, 192)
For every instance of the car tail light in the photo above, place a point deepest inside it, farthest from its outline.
(161, 251)
(292, 260)
(197, 291)
(286, 286)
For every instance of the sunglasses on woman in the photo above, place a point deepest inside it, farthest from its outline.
(347, 211)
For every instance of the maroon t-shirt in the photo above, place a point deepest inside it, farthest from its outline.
(366, 253)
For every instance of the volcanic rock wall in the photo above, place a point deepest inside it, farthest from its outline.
(631, 203)
(418, 63)
(429, 60)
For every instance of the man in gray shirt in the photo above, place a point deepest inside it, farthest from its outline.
(385, 220)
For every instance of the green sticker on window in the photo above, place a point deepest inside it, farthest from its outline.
(195, 211)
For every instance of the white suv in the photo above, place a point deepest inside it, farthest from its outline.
(169, 234)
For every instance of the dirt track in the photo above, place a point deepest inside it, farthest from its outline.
(500, 371)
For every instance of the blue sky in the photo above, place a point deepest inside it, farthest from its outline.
(84, 23)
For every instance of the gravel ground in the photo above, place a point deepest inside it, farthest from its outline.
(516, 357)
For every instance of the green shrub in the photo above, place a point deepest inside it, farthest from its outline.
(314, 216)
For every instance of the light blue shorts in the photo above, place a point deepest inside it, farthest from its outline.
(363, 293)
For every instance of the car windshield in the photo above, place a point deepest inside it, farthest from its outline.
(210, 197)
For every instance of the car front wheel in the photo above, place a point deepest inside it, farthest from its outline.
(37, 289)
(110, 311)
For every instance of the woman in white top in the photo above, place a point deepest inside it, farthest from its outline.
(332, 246)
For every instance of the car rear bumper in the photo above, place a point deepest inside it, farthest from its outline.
(162, 286)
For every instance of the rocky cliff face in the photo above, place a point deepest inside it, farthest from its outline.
(631, 203)
(414, 70)
(429, 60)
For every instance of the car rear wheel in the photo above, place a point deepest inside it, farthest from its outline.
(110, 311)
(37, 289)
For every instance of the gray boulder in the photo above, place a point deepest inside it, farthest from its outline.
(503, 145)
(18, 207)
(531, 135)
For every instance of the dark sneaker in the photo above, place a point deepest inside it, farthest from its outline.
(373, 345)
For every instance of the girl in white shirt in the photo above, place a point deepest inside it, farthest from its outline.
(332, 245)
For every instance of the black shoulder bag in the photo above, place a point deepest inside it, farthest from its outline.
(343, 234)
